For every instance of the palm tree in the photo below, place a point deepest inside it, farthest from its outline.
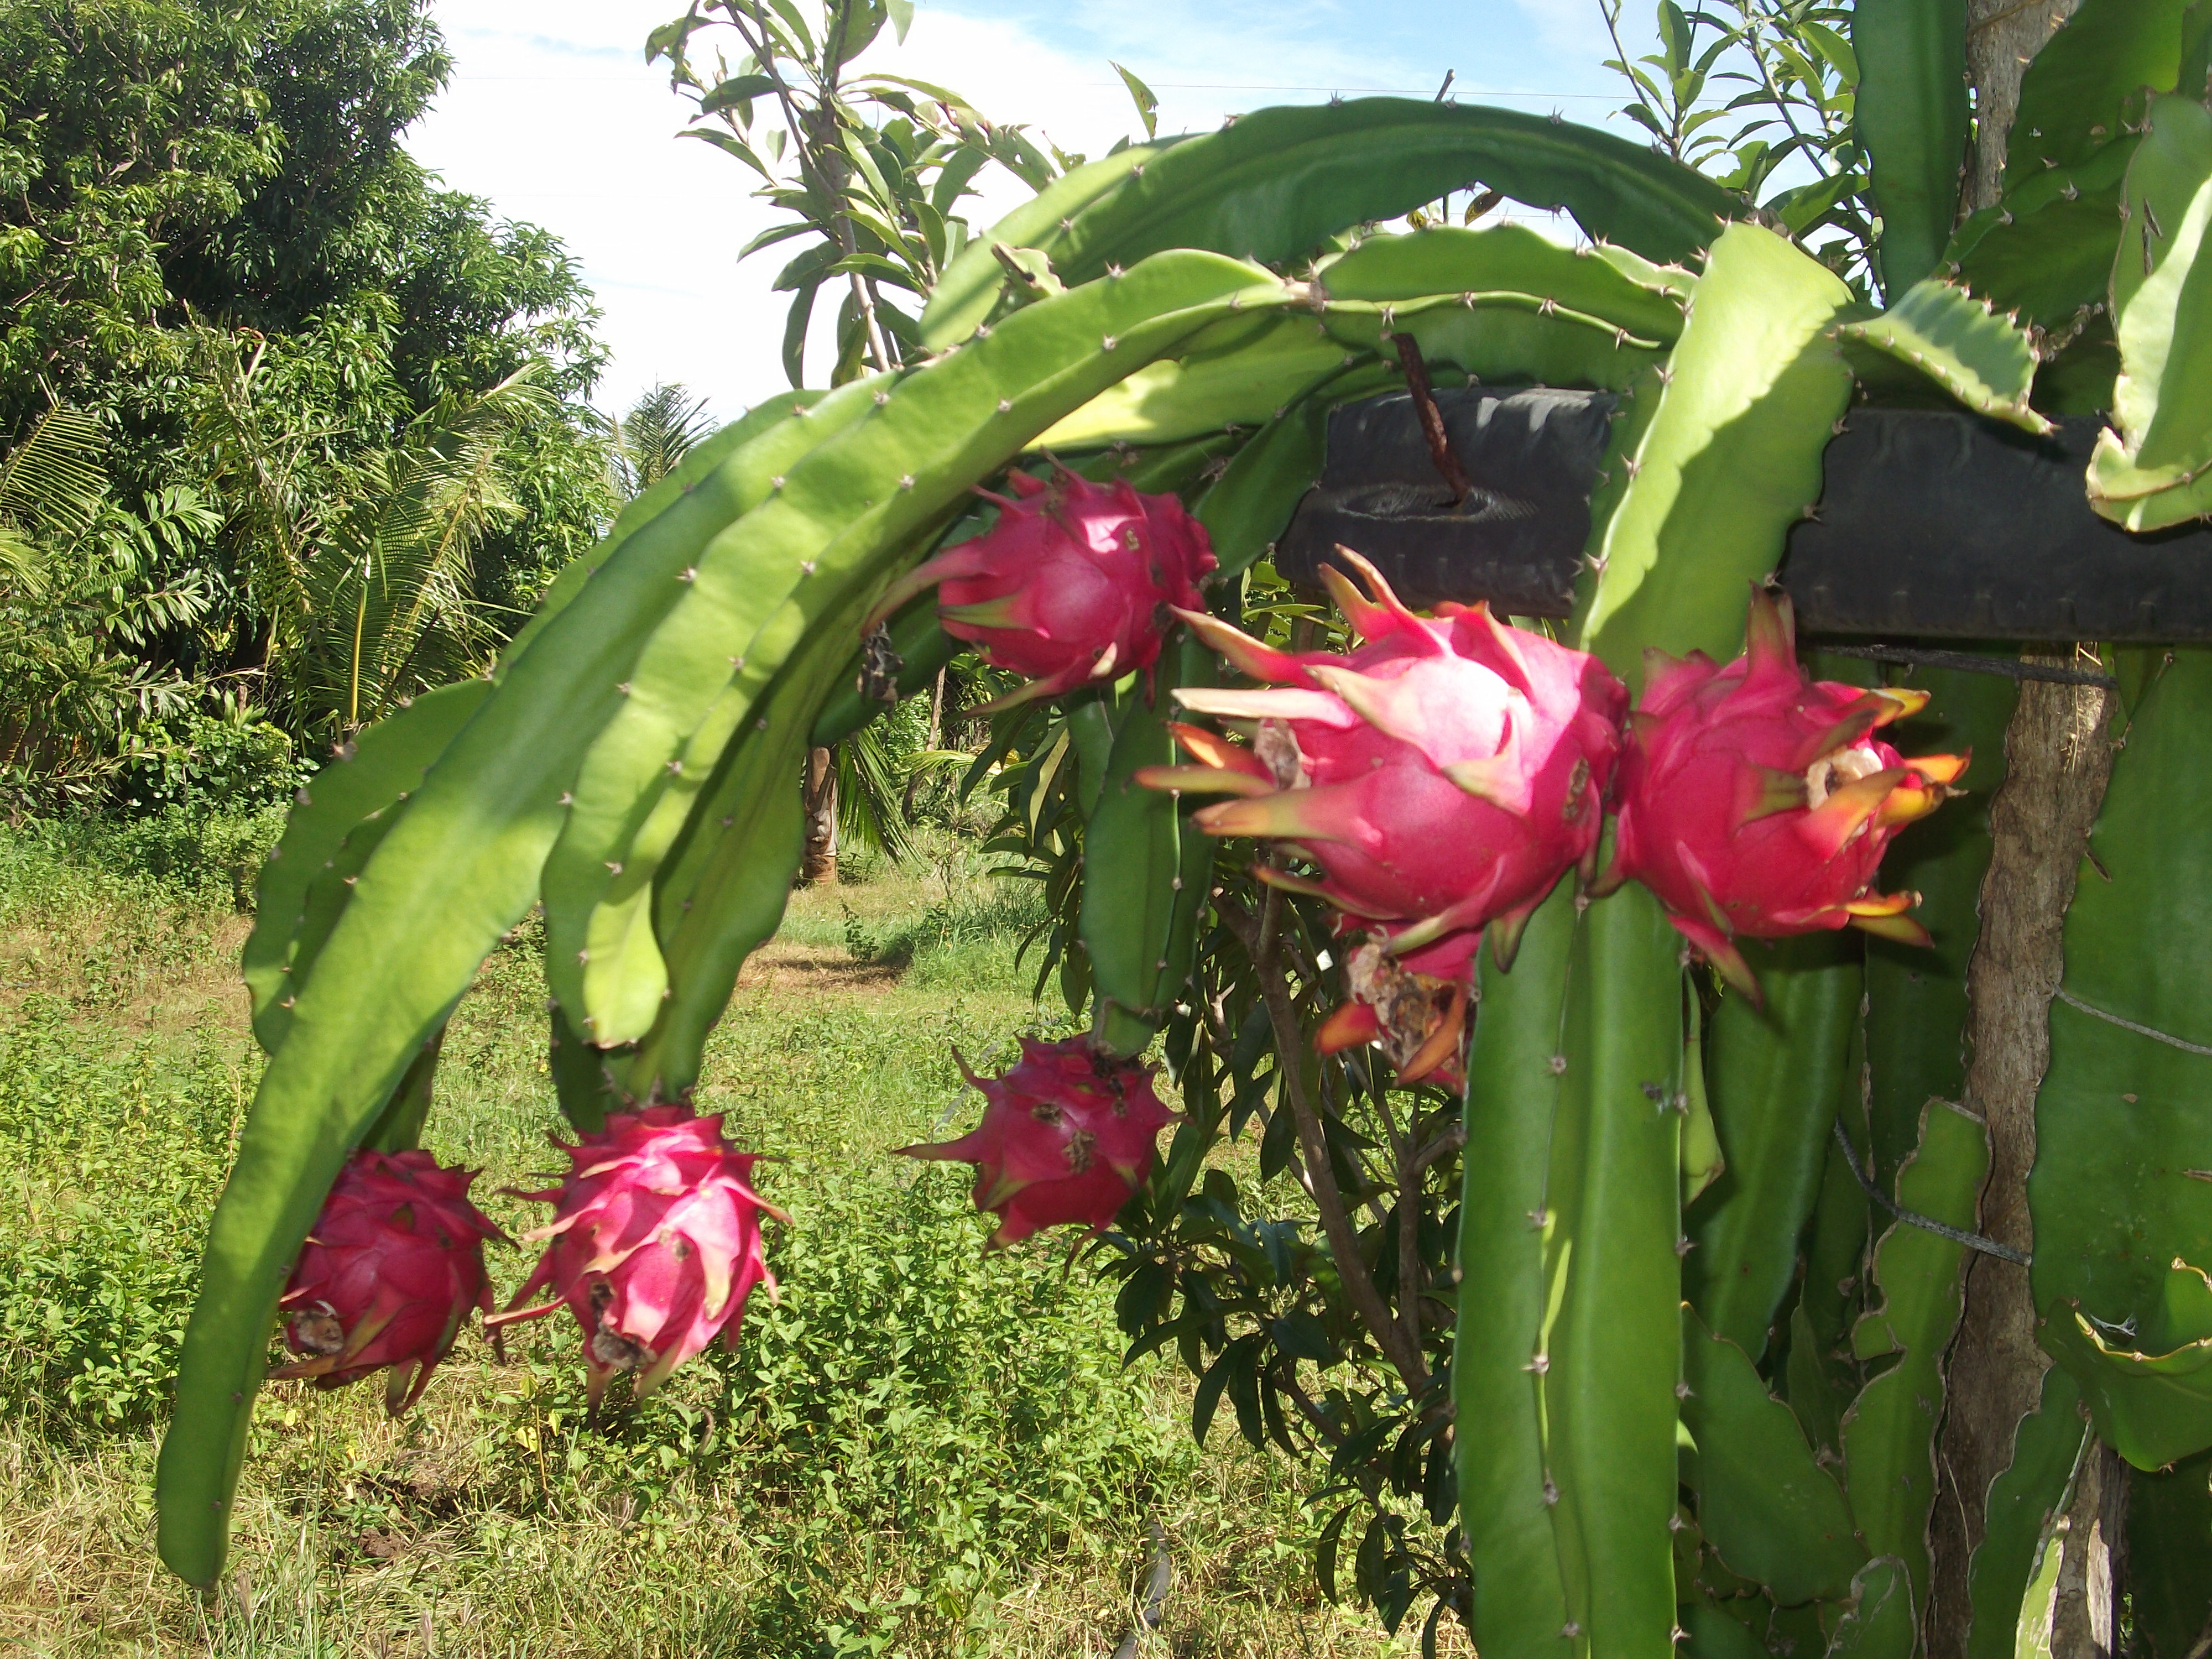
(661, 426)
(364, 571)
(80, 595)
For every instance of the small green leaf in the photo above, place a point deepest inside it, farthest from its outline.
(738, 90)
(1774, 1514)
(1148, 108)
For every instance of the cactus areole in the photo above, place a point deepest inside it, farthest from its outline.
(1755, 800)
(1073, 583)
(1068, 1135)
(654, 1244)
(1443, 775)
(388, 1276)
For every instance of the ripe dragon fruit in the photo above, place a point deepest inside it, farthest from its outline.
(655, 1244)
(387, 1276)
(1419, 1020)
(1755, 801)
(1073, 583)
(1443, 775)
(1068, 1135)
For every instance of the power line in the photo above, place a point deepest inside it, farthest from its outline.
(1475, 94)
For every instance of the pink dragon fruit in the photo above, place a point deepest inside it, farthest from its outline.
(1755, 801)
(388, 1275)
(655, 1244)
(1419, 1020)
(1068, 1135)
(1443, 775)
(1073, 584)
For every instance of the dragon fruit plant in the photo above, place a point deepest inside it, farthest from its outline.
(1072, 584)
(1068, 1135)
(1756, 801)
(1443, 775)
(654, 1244)
(1518, 1259)
(388, 1277)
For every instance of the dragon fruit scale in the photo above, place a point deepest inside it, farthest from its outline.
(654, 1244)
(1418, 1019)
(387, 1276)
(1443, 775)
(1073, 583)
(1756, 801)
(1068, 1133)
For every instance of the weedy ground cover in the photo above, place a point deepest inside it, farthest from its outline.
(919, 1450)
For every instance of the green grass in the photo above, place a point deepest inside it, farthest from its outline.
(919, 1450)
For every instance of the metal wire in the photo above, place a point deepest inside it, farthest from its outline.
(1926, 1224)
(2010, 667)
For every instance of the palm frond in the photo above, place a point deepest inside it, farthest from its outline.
(394, 578)
(52, 481)
(658, 431)
(869, 814)
(25, 567)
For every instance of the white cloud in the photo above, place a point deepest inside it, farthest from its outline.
(554, 116)
(1577, 28)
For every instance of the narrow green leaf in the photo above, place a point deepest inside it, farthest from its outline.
(374, 774)
(1778, 1076)
(1148, 108)
(1613, 1330)
(1146, 868)
(1251, 503)
(1917, 995)
(1520, 1597)
(1259, 368)
(1277, 183)
(1889, 1433)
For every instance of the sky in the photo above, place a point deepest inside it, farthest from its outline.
(553, 116)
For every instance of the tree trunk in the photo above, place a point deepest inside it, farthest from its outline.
(2002, 36)
(2058, 756)
(936, 739)
(818, 866)
(2091, 1538)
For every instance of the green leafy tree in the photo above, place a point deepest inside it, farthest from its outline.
(84, 586)
(1741, 90)
(868, 169)
(173, 176)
